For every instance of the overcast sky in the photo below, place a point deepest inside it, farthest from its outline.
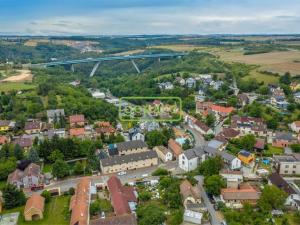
(102, 17)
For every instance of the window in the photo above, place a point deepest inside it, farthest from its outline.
(285, 171)
(294, 166)
(286, 166)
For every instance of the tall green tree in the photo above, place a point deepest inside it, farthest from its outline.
(33, 155)
(13, 197)
(18, 152)
(272, 198)
(213, 184)
(150, 214)
(60, 169)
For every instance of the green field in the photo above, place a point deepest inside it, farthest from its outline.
(56, 213)
(15, 86)
(273, 151)
(261, 77)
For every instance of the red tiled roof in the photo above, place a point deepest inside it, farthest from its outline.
(35, 201)
(260, 144)
(297, 123)
(120, 196)
(76, 118)
(174, 147)
(245, 192)
(3, 140)
(222, 109)
(80, 203)
(34, 125)
(77, 131)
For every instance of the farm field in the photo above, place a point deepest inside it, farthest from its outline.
(261, 77)
(15, 86)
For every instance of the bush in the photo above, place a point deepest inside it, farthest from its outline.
(71, 191)
(160, 172)
(47, 195)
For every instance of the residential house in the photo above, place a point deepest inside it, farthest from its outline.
(279, 102)
(246, 157)
(61, 133)
(149, 126)
(54, 115)
(192, 216)
(293, 199)
(6, 125)
(233, 177)
(180, 81)
(175, 148)
(30, 177)
(190, 82)
(295, 86)
(97, 94)
(105, 128)
(297, 97)
(226, 134)
(236, 197)
(136, 134)
(249, 125)
(24, 141)
(34, 208)
(4, 140)
(204, 108)
(126, 219)
(189, 193)
(243, 99)
(33, 127)
(295, 126)
(163, 153)
(259, 145)
(123, 198)
(78, 132)
(190, 159)
(119, 163)
(131, 147)
(77, 120)
(219, 145)
(166, 86)
(287, 164)
(80, 203)
(202, 128)
(283, 140)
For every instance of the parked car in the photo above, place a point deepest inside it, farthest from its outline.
(122, 173)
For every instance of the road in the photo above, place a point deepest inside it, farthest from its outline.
(213, 214)
(199, 139)
(65, 185)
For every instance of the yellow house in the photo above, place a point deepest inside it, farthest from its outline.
(4, 125)
(295, 86)
(246, 157)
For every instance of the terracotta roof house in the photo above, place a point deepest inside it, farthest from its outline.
(202, 127)
(3, 140)
(295, 126)
(33, 127)
(190, 194)
(235, 197)
(128, 219)
(80, 203)
(76, 120)
(77, 132)
(249, 125)
(123, 198)
(28, 178)
(34, 208)
(259, 145)
(174, 147)
(243, 99)
(229, 133)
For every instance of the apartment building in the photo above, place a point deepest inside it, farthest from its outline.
(287, 164)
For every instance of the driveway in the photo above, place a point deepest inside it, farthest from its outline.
(214, 218)
(199, 139)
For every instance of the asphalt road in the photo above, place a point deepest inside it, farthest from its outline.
(199, 139)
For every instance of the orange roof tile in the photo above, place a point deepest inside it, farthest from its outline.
(35, 201)
(175, 147)
(77, 131)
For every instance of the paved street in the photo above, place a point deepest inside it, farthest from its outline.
(199, 140)
(213, 214)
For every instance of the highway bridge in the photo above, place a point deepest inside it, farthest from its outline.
(107, 58)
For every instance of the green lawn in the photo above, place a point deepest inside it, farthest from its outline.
(266, 78)
(56, 213)
(47, 168)
(273, 150)
(15, 86)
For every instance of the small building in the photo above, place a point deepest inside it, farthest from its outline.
(259, 145)
(163, 153)
(190, 193)
(295, 126)
(192, 216)
(34, 208)
(126, 219)
(190, 82)
(219, 145)
(77, 120)
(24, 141)
(175, 148)
(78, 132)
(283, 140)
(202, 128)
(246, 157)
(190, 159)
(6, 125)
(233, 177)
(55, 115)
(243, 99)
(236, 197)
(131, 147)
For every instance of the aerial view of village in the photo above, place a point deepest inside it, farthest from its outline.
(149, 112)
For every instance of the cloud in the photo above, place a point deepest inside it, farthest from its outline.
(177, 19)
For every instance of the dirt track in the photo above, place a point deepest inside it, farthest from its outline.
(23, 75)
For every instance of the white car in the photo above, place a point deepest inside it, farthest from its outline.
(122, 173)
(145, 175)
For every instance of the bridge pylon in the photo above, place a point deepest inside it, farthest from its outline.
(94, 69)
(135, 66)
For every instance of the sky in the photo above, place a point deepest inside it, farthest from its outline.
(130, 17)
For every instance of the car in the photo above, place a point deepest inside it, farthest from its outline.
(122, 173)
(145, 175)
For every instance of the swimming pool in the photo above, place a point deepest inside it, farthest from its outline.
(180, 140)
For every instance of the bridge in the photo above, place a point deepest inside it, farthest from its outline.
(107, 58)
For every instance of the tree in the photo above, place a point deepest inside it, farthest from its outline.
(211, 166)
(78, 168)
(155, 138)
(13, 197)
(295, 147)
(210, 120)
(47, 195)
(18, 152)
(186, 145)
(213, 184)
(6, 167)
(286, 79)
(55, 155)
(248, 141)
(145, 196)
(272, 198)
(60, 169)
(94, 208)
(33, 155)
(150, 214)
(160, 172)
(176, 217)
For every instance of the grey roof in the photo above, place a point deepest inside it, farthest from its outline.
(58, 112)
(215, 144)
(193, 153)
(124, 146)
(285, 136)
(116, 160)
(225, 155)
